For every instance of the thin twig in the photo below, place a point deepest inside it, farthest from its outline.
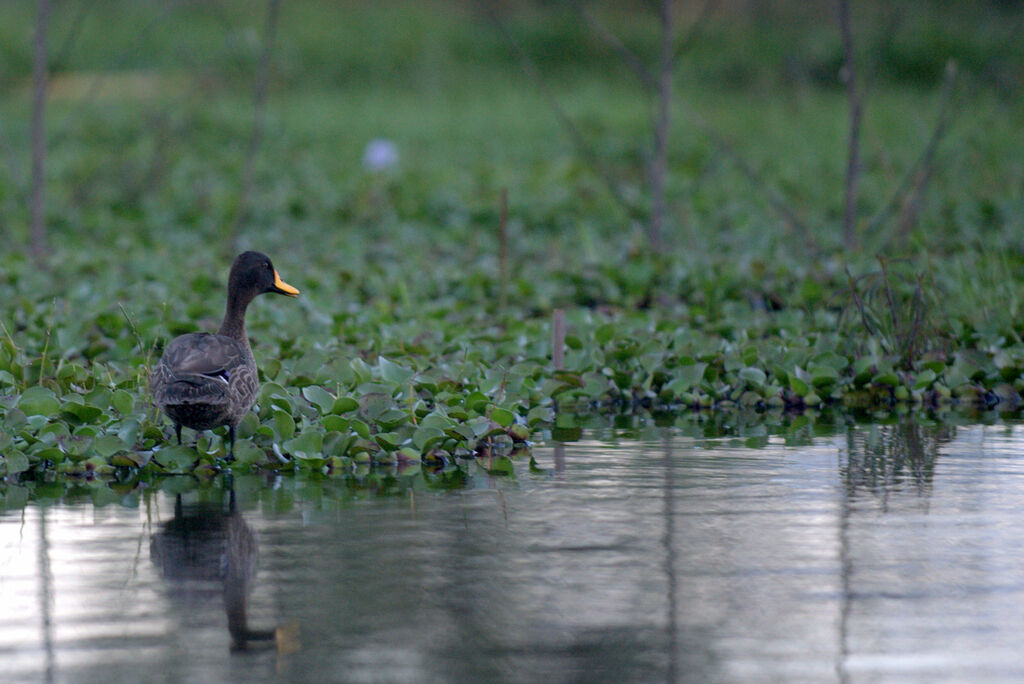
(259, 121)
(637, 66)
(849, 75)
(689, 38)
(39, 85)
(775, 199)
(584, 149)
(503, 250)
(61, 53)
(558, 339)
(659, 157)
(920, 172)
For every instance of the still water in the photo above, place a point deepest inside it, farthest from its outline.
(867, 553)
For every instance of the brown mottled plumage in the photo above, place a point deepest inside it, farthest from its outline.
(203, 380)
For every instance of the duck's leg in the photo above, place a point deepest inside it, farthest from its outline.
(177, 430)
(231, 442)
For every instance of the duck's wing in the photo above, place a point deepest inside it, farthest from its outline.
(201, 367)
(204, 354)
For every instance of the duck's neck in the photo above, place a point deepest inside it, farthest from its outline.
(233, 324)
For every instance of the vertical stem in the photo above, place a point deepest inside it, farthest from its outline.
(259, 120)
(853, 162)
(558, 338)
(39, 85)
(503, 250)
(659, 159)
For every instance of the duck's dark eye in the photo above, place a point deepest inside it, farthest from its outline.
(267, 265)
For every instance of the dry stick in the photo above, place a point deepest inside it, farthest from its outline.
(558, 339)
(503, 250)
(563, 119)
(39, 83)
(639, 69)
(927, 156)
(912, 207)
(757, 180)
(259, 122)
(659, 158)
(849, 75)
(61, 53)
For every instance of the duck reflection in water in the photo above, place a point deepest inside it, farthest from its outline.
(206, 543)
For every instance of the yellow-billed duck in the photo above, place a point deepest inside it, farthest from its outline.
(204, 380)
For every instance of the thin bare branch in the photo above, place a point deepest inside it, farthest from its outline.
(61, 53)
(923, 173)
(757, 180)
(582, 147)
(659, 158)
(39, 85)
(689, 37)
(635, 64)
(259, 120)
(849, 75)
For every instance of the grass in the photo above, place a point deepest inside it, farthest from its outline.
(405, 350)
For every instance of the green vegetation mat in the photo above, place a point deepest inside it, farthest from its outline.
(423, 336)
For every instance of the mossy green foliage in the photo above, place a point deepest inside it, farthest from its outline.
(406, 346)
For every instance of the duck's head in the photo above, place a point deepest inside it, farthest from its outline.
(253, 274)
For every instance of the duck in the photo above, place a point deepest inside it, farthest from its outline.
(207, 380)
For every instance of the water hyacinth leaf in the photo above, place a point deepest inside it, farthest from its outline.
(177, 459)
(361, 428)
(925, 378)
(392, 418)
(436, 420)
(308, 445)
(336, 423)
(425, 436)
(503, 417)
(389, 441)
(754, 376)
(887, 378)
(14, 462)
(374, 404)
(393, 373)
(108, 445)
(344, 405)
(38, 401)
(284, 424)
(132, 459)
(799, 386)
(687, 377)
(319, 397)
(604, 333)
(476, 401)
(123, 402)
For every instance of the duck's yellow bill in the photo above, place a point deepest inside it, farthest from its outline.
(283, 287)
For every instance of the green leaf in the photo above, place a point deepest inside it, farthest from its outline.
(344, 405)
(686, 377)
(178, 458)
(39, 401)
(425, 437)
(393, 373)
(284, 424)
(319, 397)
(336, 423)
(753, 375)
(308, 445)
(799, 387)
(503, 417)
(123, 401)
(604, 333)
(14, 461)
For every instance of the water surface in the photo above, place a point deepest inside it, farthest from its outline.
(877, 553)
